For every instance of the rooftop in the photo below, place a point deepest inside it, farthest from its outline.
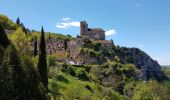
(104, 41)
(96, 29)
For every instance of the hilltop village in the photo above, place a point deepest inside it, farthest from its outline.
(54, 46)
(39, 65)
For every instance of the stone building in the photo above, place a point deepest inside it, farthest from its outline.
(74, 47)
(53, 46)
(91, 33)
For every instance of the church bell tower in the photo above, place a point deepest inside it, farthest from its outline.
(83, 27)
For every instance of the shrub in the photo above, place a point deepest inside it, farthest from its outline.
(81, 74)
(53, 88)
(51, 60)
(71, 70)
(109, 94)
(94, 73)
(150, 91)
(129, 88)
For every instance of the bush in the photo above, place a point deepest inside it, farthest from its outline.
(94, 73)
(81, 74)
(129, 88)
(53, 88)
(150, 91)
(109, 94)
(71, 70)
(51, 60)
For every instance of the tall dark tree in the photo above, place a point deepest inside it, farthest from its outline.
(18, 79)
(23, 28)
(18, 21)
(42, 63)
(35, 46)
(12, 76)
(4, 41)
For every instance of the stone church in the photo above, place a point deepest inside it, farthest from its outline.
(91, 33)
(94, 34)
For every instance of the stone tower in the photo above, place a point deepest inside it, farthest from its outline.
(83, 28)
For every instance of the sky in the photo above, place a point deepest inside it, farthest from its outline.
(132, 23)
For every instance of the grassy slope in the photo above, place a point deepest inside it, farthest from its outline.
(71, 87)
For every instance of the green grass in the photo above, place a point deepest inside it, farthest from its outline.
(72, 88)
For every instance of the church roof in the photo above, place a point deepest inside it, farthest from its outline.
(96, 29)
(104, 41)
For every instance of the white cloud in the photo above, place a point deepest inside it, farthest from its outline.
(67, 23)
(66, 19)
(110, 32)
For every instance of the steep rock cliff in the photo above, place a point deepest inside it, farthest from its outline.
(149, 67)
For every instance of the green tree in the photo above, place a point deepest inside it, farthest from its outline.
(7, 23)
(147, 91)
(35, 46)
(18, 21)
(20, 40)
(3, 37)
(54, 88)
(18, 78)
(42, 63)
(13, 78)
(23, 28)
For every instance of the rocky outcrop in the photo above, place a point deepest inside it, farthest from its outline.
(148, 67)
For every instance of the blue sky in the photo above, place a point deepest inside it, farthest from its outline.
(132, 23)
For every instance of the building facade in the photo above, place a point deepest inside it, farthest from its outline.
(52, 45)
(91, 33)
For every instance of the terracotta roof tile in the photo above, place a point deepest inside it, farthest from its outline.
(104, 42)
(96, 29)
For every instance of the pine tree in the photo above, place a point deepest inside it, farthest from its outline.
(35, 46)
(18, 21)
(3, 37)
(23, 28)
(18, 79)
(12, 76)
(42, 63)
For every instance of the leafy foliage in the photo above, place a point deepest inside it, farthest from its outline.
(16, 82)
(25, 77)
(20, 40)
(7, 23)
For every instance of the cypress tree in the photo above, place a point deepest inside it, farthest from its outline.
(23, 28)
(4, 42)
(35, 46)
(18, 21)
(42, 63)
(13, 78)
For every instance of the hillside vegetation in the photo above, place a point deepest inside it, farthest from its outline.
(116, 73)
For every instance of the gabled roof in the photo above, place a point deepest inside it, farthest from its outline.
(104, 41)
(96, 29)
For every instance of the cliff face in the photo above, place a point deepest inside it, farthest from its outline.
(149, 68)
